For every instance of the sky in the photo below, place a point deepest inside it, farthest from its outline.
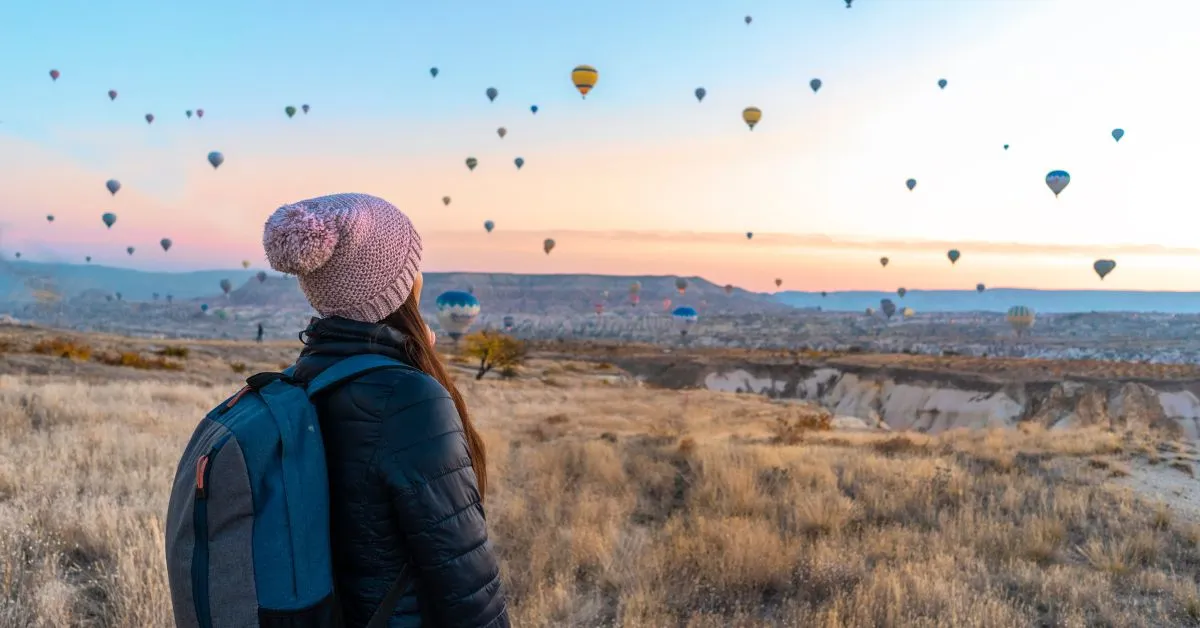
(639, 177)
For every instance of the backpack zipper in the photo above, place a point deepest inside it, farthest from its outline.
(200, 528)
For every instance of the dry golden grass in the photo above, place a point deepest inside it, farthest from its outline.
(615, 504)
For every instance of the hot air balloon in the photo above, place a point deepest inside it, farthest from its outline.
(509, 321)
(165, 243)
(54, 74)
(446, 200)
(548, 245)
(599, 307)
(681, 285)
(88, 259)
(910, 184)
(203, 307)
(848, 2)
(870, 311)
(908, 312)
(433, 72)
(471, 163)
(18, 254)
(261, 276)
(216, 159)
(748, 20)
(112, 94)
(1057, 181)
(942, 83)
(533, 108)
(129, 250)
(109, 219)
(953, 254)
(728, 288)
(49, 217)
(1118, 134)
(188, 113)
(815, 84)
(149, 118)
(501, 132)
(751, 116)
(700, 94)
(1103, 267)
(519, 161)
(887, 307)
(980, 287)
(456, 310)
(489, 225)
(199, 113)
(901, 292)
(749, 235)
(226, 286)
(113, 186)
(584, 77)
(1021, 318)
(289, 110)
(118, 296)
(883, 261)
(824, 294)
(684, 318)
(666, 305)
(245, 263)
(1006, 147)
(778, 282)
(492, 93)
(634, 289)
(304, 108)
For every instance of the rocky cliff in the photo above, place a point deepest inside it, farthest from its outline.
(932, 401)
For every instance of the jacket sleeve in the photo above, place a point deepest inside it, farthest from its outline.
(435, 496)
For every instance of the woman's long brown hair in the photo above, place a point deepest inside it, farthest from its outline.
(408, 320)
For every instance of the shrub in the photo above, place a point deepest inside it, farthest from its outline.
(557, 419)
(133, 359)
(789, 429)
(509, 372)
(174, 352)
(63, 348)
(238, 367)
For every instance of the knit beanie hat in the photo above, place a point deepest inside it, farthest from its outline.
(356, 255)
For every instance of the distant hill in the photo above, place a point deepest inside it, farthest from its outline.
(1000, 299)
(500, 292)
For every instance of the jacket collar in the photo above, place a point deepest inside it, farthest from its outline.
(337, 336)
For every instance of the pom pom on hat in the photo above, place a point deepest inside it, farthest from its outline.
(298, 241)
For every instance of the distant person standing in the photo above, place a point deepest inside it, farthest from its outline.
(260, 333)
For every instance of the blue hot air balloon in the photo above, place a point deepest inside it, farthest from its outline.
(1057, 181)
(700, 94)
(113, 186)
(509, 321)
(109, 218)
(520, 161)
(910, 184)
(456, 310)
(489, 225)
(942, 83)
(1103, 267)
(749, 235)
(684, 317)
(888, 307)
(203, 307)
(492, 93)
(815, 84)
(1118, 134)
(1006, 147)
(953, 254)
(216, 159)
(533, 108)
(433, 72)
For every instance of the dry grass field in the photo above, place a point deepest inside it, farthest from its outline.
(615, 504)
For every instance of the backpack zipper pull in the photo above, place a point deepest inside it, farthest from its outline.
(201, 467)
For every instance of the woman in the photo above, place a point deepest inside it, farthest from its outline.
(407, 469)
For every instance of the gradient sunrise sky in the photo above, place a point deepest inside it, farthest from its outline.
(638, 178)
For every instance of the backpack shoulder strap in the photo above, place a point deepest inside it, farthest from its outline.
(391, 599)
(350, 368)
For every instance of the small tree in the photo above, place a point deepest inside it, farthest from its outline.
(494, 350)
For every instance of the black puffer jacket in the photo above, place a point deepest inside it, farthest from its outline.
(402, 488)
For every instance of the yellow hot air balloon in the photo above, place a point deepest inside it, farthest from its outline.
(245, 263)
(584, 77)
(751, 115)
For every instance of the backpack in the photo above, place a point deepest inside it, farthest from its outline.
(247, 530)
